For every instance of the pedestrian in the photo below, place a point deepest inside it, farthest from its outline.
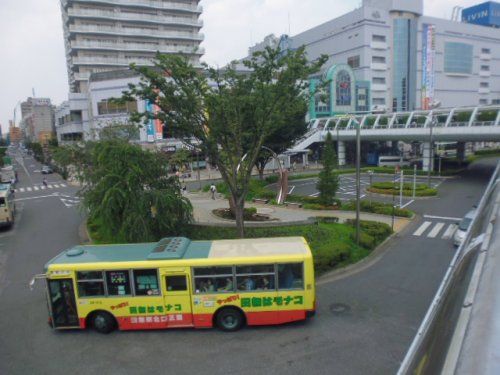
(44, 182)
(213, 190)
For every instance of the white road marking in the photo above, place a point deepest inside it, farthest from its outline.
(422, 228)
(63, 185)
(28, 189)
(56, 185)
(42, 187)
(36, 188)
(435, 231)
(443, 218)
(407, 204)
(49, 186)
(314, 195)
(21, 190)
(291, 190)
(450, 231)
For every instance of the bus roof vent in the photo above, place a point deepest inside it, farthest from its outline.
(170, 248)
(74, 252)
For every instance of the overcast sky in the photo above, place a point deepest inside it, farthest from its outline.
(32, 47)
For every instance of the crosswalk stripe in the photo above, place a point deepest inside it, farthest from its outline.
(56, 186)
(36, 188)
(435, 231)
(21, 190)
(449, 231)
(42, 187)
(28, 189)
(63, 185)
(49, 186)
(422, 228)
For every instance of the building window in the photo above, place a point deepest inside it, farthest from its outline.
(457, 58)
(353, 61)
(485, 68)
(378, 59)
(146, 283)
(378, 101)
(485, 50)
(378, 80)
(107, 107)
(378, 38)
(484, 84)
(343, 89)
(483, 101)
(495, 102)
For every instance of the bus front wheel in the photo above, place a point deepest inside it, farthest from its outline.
(103, 322)
(229, 319)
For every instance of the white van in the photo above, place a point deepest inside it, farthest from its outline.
(392, 161)
(7, 205)
(8, 174)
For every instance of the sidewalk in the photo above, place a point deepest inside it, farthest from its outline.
(203, 206)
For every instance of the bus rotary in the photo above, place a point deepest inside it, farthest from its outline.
(181, 283)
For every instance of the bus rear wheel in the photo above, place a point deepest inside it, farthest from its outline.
(103, 322)
(229, 320)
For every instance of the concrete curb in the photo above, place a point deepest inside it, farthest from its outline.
(84, 234)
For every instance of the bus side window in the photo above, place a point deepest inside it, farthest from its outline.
(2, 202)
(290, 276)
(90, 284)
(176, 283)
(118, 283)
(146, 282)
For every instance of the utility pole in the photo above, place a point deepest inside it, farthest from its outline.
(431, 153)
(358, 180)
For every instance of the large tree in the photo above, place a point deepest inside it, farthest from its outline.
(229, 113)
(328, 183)
(127, 190)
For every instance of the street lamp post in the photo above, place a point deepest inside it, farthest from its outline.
(358, 180)
(431, 153)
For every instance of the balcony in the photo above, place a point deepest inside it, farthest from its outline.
(379, 66)
(147, 18)
(139, 47)
(483, 90)
(110, 30)
(378, 45)
(484, 73)
(81, 76)
(144, 4)
(111, 61)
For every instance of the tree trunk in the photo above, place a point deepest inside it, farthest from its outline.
(238, 209)
(261, 172)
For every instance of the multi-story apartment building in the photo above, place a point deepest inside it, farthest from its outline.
(409, 61)
(38, 119)
(104, 35)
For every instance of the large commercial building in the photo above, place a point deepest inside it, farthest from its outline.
(386, 55)
(104, 35)
(37, 121)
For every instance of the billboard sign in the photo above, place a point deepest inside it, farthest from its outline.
(485, 14)
(150, 127)
(428, 64)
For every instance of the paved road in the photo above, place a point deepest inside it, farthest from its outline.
(364, 324)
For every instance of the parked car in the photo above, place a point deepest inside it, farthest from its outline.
(46, 169)
(463, 227)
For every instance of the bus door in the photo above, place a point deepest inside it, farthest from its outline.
(62, 304)
(177, 297)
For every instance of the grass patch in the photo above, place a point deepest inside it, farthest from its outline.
(389, 188)
(377, 208)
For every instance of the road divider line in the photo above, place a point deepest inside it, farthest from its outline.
(435, 231)
(291, 190)
(443, 218)
(422, 228)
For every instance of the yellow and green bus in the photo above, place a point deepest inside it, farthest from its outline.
(177, 283)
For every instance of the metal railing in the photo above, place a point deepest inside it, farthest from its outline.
(149, 47)
(146, 3)
(136, 32)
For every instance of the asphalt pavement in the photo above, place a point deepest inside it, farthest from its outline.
(364, 325)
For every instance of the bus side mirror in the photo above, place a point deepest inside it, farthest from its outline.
(33, 280)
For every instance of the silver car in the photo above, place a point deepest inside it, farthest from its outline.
(463, 227)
